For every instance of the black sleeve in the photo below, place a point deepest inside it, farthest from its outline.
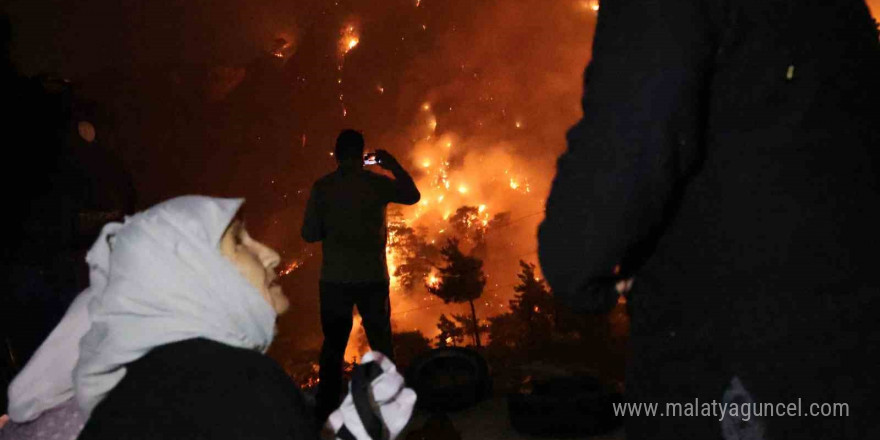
(639, 135)
(402, 189)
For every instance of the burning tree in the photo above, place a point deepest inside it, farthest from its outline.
(461, 280)
(450, 332)
(413, 255)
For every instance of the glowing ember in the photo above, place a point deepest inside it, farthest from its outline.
(294, 265)
(513, 184)
(352, 42)
(349, 39)
(462, 189)
(432, 281)
(590, 5)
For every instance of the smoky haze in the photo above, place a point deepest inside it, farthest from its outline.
(194, 102)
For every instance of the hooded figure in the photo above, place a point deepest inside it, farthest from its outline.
(727, 162)
(172, 334)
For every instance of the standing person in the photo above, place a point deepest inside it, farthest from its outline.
(346, 212)
(168, 342)
(728, 161)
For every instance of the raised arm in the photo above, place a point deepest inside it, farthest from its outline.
(639, 137)
(404, 190)
(313, 223)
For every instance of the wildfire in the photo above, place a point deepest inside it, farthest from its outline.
(432, 280)
(349, 39)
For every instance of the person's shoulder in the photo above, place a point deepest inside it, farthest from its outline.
(327, 179)
(201, 351)
(374, 177)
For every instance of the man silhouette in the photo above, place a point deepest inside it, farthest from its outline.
(728, 160)
(346, 211)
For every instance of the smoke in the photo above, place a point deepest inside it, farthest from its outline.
(501, 80)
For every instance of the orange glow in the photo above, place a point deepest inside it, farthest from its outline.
(294, 265)
(349, 39)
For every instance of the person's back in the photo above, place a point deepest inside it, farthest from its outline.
(202, 389)
(353, 208)
(346, 211)
(728, 157)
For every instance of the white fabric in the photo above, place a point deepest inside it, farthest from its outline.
(395, 401)
(168, 282)
(47, 379)
(163, 281)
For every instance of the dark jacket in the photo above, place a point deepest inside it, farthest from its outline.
(346, 211)
(728, 159)
(201, 389)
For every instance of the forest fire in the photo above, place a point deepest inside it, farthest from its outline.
(349, 39)
(472, 129)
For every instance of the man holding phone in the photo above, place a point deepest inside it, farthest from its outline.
(346, 212)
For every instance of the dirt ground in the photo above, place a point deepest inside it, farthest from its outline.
(486, 421)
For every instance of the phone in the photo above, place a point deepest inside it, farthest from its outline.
(370, 159)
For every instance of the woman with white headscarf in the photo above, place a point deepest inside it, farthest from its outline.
(180, 311)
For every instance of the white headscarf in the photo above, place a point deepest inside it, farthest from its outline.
(157, 279)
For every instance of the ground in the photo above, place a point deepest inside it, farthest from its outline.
(486, 421)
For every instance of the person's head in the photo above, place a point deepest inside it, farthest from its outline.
(255, 261)
(349, 151)
(183, 269)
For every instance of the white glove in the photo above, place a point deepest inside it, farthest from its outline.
(386, 405)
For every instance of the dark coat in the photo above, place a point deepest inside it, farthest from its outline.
(728, 160)
(201, 389)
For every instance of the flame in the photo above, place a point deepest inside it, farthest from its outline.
(432, 280)
(590, 5)
(349, 39)
(294, 265)
(352, 42)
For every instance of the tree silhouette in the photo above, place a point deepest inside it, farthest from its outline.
(408, 345)
(532, 315)
(461, 280)
(533, 305)
(416, 257)
(450, 332)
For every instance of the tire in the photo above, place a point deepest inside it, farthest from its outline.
(449, 379)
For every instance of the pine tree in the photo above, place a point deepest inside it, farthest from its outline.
(533, 304)
(450, 333)
(461, 280)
